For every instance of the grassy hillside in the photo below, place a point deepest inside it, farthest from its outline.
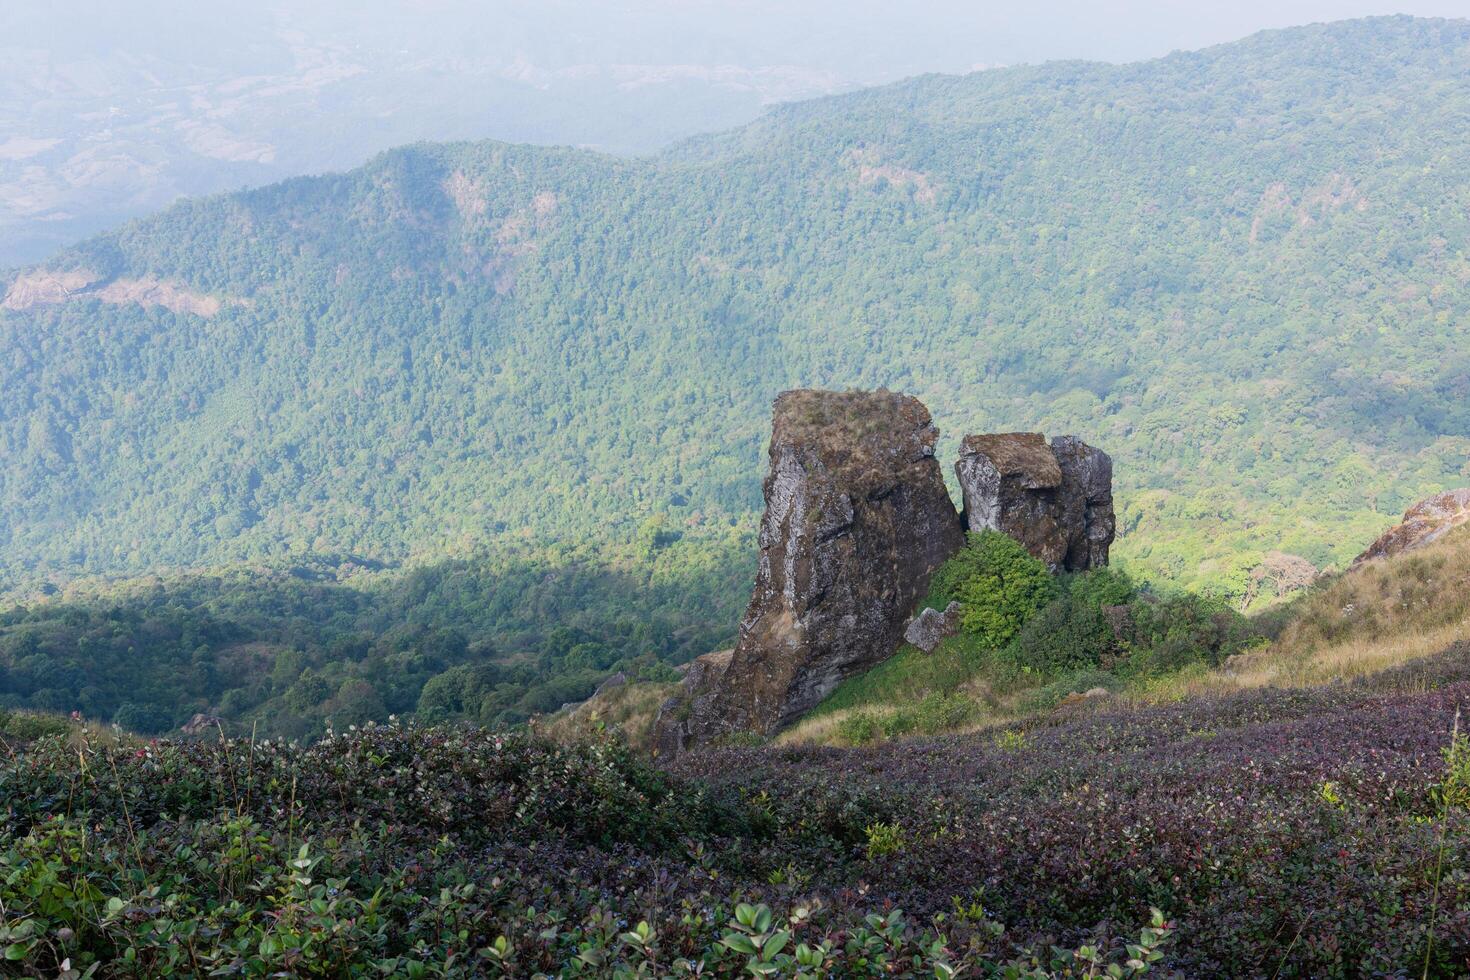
(1378, 616)
(1242, 271)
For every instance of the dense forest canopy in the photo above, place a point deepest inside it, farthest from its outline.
(1242, 271)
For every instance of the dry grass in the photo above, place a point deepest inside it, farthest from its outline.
(628, 708)
(988, 711)
(821, 730)
(1374, 617)
(826, 729)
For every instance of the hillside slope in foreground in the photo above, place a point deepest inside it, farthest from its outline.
(1278, 832)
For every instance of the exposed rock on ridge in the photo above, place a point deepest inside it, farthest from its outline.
(1056, 500)
(1425, 522)
(857, 518)
(931, 627)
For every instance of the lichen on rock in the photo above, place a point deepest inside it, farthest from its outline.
(857, 518)
(1056, 500)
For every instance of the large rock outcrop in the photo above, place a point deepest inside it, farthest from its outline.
(1424, 523)
(857, 518)
(1056, 500)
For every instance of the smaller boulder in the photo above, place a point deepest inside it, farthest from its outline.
(1424, 523)
(201, 724)
(1056, 500)
(931, 627)
(616, 680)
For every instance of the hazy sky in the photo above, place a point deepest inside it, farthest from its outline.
(114, 108)
(858, 40)
(987, 32)
(861, 40)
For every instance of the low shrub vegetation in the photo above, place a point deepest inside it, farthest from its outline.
(1303, 833)
(1027, 641)
(435, 852)
(1296, 833)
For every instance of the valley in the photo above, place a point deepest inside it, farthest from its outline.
(1005, 525)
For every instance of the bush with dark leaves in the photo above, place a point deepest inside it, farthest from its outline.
(1290, 833)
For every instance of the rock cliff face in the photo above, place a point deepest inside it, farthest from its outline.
(857, 518)
(1426, 521)
(1056, 500)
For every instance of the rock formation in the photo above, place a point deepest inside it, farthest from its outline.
(931, 626)
(857, 518)
(1056, 500)
(1087, 484)
(202, 724)
(1425, 522)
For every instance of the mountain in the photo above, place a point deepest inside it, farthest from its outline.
(1241, 271)
(107, 113)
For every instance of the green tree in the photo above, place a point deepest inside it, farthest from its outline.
(997, 583)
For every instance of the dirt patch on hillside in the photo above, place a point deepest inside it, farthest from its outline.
(148, 292)
(48, 288)
(43, 288)
(871, 170)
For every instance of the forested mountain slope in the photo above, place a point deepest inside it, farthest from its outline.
(1242, 271)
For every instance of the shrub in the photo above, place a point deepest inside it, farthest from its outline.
(1176, 631)
(455, 853)
(1070, 633)
(1299, 831)
(884, 839)
(997, 583)
(1011, 740)
(145, 719)
(859, 728)
(1101, 587)
(1078, 682)
(28, 726)
(1454, 789)
(1211, 808)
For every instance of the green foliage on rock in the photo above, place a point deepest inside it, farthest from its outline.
(1072, 632)
(1067, 635)
(998, 585)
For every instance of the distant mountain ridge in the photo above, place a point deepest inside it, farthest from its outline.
(1244, 270)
